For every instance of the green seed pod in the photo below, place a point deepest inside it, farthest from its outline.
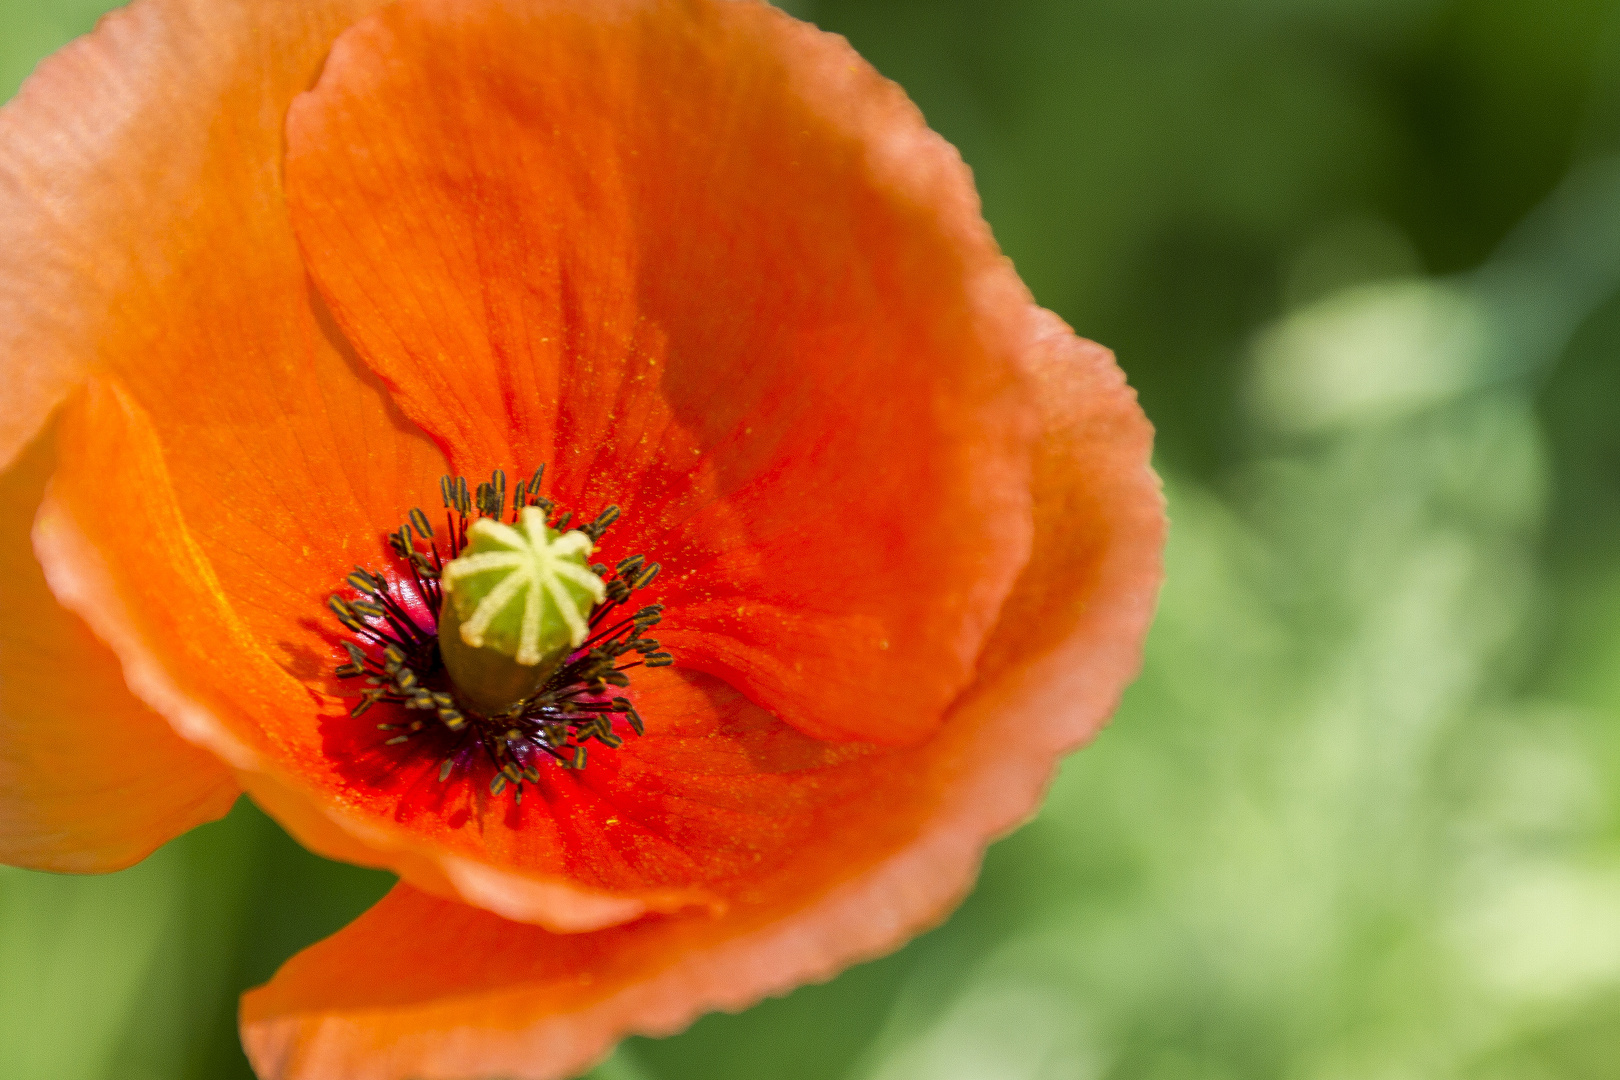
(516, 602)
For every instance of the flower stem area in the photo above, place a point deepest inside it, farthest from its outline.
(1360, 817)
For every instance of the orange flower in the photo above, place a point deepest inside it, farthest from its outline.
(708, 266)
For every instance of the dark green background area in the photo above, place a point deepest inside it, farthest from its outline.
(1357, 821)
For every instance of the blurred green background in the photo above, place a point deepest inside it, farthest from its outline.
(1358, 820)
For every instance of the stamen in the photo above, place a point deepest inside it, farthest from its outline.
(529, 560)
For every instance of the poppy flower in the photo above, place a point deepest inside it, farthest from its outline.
(839, 542)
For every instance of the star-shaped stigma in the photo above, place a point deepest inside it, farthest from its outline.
(520, 587)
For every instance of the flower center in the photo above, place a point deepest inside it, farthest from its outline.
(503, 636)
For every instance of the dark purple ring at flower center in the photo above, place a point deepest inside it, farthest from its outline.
(395, 621)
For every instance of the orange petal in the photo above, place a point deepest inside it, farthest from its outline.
(138, 190)
(420, 987)
(93, 779)
(710, 266)
(1072, 629)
